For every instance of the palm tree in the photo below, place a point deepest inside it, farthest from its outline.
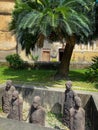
(54, 20)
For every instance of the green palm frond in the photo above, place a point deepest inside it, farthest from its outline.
(28, 20)
(81, 22)
(43, 2)
(72, 2)
(27, 40)
(67, 27)
(21, 6)
(51, 18)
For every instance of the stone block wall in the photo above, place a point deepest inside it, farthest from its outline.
(52, 100)
(7, 40)
(83, 56)
(6, 6)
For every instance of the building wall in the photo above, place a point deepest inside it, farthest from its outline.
(81, 53)
(7, 41)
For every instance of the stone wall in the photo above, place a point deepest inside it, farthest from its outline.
(7, 40)
(6, 6)
(51, 99)
(83, 56)
(93, 113)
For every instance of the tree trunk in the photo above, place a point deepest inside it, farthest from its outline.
(63, 70)
(17, 48)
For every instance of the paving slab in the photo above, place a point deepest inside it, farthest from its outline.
(8, 124)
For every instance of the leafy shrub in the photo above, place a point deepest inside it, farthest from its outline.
(15, 61)
(46, 65)
(92, 71)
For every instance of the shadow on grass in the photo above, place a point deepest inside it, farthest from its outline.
(96, 85)
(77, 75)
(39, 75)
(42, 78)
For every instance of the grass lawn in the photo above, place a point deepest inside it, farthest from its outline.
(45, 78)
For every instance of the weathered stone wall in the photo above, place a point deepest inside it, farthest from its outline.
(83, 56)
(6, 6)
(79, 65)
(7, 41)
(52, 100)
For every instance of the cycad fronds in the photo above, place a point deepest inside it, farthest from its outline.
(45, 17)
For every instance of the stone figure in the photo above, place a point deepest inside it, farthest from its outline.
(37, 112)
(7, 95)
(77, 116)
(68, 102)
(16, 107)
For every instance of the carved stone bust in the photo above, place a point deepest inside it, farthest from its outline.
(7, 96)
(37, 112)
(77, 116)
(16, 107)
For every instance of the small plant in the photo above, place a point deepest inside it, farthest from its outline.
(15, 61)
(34, 58)
(54, 120)
(92, 71)
(0, 109)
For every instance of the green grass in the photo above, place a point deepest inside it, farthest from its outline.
(45, 78)
(53, 120)
(0, 109)
(25, 75)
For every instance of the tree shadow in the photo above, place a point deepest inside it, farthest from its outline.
(77, 76)
(28, 77)
(46, 77)
(96, 85)
(80, 76)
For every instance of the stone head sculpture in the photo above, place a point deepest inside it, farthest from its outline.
(68, 85)
(8, 84)
(36, 101)
(15, 95)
